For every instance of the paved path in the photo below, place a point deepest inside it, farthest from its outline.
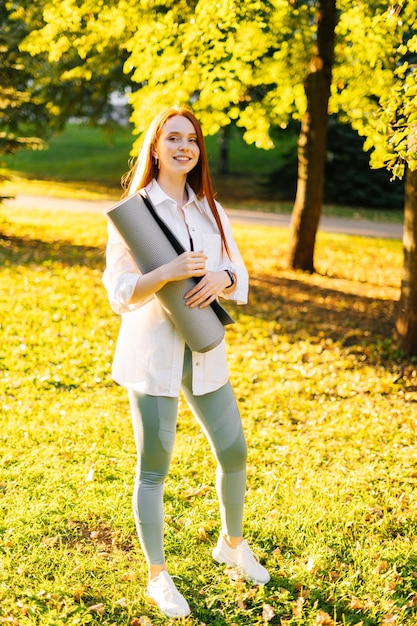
(365, 228)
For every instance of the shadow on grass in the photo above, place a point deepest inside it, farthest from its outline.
(26, 251)
(362, 325)
(300, 310)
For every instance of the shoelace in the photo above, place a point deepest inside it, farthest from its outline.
(247, 552)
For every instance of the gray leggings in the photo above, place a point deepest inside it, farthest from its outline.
(154, 425)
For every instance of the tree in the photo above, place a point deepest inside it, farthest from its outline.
(406, 316)
(237, 63)
(386, 114)
(74, 77)
(38, 94)
(398, 123)
(312, 142)
(21, 117)
(234, 62)
(245, 63)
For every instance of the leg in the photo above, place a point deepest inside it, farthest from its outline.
(154, 422)
(219, 417)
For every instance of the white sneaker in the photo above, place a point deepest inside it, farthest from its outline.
(162, 592)
(242, 558)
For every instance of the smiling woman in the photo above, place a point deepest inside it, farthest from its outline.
(176, 152)
(152, 359)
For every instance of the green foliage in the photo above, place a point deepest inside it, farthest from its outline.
(21, 116)
(375, 82)
(70, 79)
(225, 57)
(349, 180)
(328, 408)
(242, 63)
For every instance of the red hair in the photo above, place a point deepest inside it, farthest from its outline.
(146, 168)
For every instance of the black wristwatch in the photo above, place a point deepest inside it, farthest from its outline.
(232, 278)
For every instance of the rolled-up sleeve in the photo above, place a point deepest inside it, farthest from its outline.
(121, 274)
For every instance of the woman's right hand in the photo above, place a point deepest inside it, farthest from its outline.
(186, 265)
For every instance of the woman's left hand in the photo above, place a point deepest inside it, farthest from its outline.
(207, 289)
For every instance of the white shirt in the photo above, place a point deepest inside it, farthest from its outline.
(149, 352)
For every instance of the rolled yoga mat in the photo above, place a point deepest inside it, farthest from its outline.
(150, 248)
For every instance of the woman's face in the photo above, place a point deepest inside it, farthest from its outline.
(177, 149)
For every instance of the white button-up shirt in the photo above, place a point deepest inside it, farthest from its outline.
(149, 352)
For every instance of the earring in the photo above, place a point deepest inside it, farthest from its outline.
(156, 162)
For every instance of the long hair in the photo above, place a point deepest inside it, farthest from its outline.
(145, 168)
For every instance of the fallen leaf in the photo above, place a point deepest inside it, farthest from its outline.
(277, 554)
(78, 593)
(49, 541)
(268, 612)
(324, 619)
(202, 534)
(298, 606)
(9, 619)
(356, 604)
(194, 493)
(360, 605)
(381, 567)
(97, 608)
(141, 621)
(311, 567)
(90, 476)
(241, 604)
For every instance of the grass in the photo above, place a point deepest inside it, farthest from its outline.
(329, 410)
(83, 162)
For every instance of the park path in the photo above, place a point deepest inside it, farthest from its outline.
(366, 228)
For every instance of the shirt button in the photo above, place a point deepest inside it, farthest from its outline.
(197, 363)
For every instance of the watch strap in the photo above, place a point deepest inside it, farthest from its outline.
(232, 278)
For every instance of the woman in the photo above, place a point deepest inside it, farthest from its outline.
(152, 360)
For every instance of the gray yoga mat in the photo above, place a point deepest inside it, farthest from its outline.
(150, 248)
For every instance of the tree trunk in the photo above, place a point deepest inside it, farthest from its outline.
(223, 140)
(406, 318)
(312, 143)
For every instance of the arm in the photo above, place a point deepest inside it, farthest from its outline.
(127, 288)
(184, 266)
(218, 283)
(209, 288)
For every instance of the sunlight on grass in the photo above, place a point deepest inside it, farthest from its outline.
(329, 409)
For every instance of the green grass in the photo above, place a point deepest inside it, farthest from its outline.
(329, 410)
(81, 153)
(82, 162)
(84, 154)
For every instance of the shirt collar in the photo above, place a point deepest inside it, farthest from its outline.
(158, 195)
